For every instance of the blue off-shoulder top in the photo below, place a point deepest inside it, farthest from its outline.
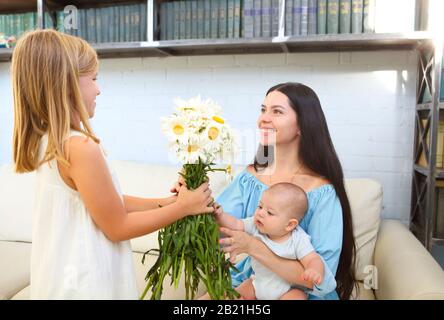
(323, 222)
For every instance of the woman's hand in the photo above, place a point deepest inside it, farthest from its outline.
(237, 242)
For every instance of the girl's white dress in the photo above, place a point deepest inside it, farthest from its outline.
(71, 257)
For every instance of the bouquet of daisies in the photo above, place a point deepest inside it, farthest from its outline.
(199, 136)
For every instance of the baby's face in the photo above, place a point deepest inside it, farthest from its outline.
(270, 217)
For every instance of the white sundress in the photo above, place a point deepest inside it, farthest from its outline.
(71, 258)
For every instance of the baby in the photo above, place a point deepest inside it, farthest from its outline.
(276, 222)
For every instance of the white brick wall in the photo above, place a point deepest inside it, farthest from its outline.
(368, 99)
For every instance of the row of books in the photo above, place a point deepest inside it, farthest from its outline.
(105, 24)
(210, 19)
(108, 24)
(260, 18)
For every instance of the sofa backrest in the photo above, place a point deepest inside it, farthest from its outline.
(146, 180)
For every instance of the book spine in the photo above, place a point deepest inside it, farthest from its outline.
(369, 16)
(106, 24)
(214, 19)
(304, 17)
(187, 19)
(91, 32)
(182, 20)
(289, 17)
(82, 31)
(248, 19)
(257, 16)
(357, 16)
(344, 16)
(163, 20)
(142, 27)
(138, 18)
(333, 17)
(176, 34)
(112, 26)
(170, 20)
(322, 16)
(312, 16)
(223, 19)
(297, 11)
(98, 14)
(207, 19)
(200, 19)
(194, 20)
(230, 20)
(237, 18)
(275, 18)
(266, 18)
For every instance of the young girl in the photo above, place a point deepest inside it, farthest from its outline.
(81, 221)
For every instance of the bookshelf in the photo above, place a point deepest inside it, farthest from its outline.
(319, 43)
(280, 42)
(428, 177)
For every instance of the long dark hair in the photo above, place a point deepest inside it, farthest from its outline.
(317, 152)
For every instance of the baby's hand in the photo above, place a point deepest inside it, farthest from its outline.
(311, 275)
(218, 210)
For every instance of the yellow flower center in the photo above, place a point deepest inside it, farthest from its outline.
(178, 129)
(218, 119)
(213, 133)
(192, 148)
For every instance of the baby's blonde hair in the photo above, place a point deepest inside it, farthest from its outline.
(46, 66)
(292, 198)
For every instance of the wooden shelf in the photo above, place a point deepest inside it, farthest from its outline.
(421, 170)
(438, 241)
(318, 43)
(17, 6)
(424, 171)
(424, 106)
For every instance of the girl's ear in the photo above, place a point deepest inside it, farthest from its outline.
(292, 224)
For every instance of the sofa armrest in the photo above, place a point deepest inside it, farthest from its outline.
(405, 269)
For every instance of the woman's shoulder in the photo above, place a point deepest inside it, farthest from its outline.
(311, 181)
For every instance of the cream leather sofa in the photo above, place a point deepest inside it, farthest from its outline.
(391, 264)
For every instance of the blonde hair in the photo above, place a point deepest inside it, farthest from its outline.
(46, 66)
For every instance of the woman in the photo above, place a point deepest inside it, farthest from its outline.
(295, 147)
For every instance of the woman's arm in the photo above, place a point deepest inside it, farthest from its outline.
(240, 242)
(140, 204)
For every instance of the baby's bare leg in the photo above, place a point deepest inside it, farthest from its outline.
(246, 290)
(294, 294)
